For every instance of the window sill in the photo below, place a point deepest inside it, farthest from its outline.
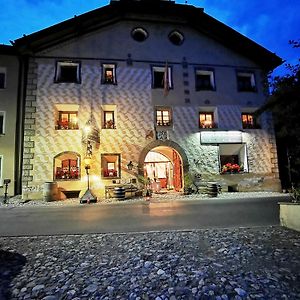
(70, 179)
(66, 129)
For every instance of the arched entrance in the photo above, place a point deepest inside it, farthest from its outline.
(164, 162)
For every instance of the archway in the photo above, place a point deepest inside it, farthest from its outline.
(165, 163)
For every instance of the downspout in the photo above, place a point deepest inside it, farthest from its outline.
(19, 145)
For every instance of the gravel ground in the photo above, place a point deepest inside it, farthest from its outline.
(219, 264)
(18, 202)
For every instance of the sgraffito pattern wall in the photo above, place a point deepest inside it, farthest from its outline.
(134, 121)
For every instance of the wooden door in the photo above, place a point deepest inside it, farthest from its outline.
(177, 171)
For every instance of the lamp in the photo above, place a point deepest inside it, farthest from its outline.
(130, 165)
(88, 197)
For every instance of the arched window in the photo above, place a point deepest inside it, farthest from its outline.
(67, 166)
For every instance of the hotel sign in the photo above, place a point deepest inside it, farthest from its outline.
(220, 137)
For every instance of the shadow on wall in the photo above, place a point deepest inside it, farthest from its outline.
(11, 265)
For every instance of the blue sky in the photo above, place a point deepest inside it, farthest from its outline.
(270, 23)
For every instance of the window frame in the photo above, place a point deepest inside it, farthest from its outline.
(242, 157)
(250, 125)
(60, 64)
(3, 115)
(104, 166)
(105, 125)
(3, 71)
(205, 72)
(78, 160)
(161, 69)
(246, 74)
(163, 109)
(60, 113)
(213, 123)
(104, 67)
(1, 169)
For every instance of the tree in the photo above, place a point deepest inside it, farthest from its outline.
(284, 103)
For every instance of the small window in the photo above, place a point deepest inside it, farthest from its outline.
(246, 82)
(206, 120)
(176, 38)
(159, 75)
(2, 122)
(163, 117)
(109, 74)
(67, 166)
(2, 78)
(68, 72)
(67, 120)
(139, 34)
(109, 120)
(233, 158)
(111, 165)
(249, 121)
(205, 80)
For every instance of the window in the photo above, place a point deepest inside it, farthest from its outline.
(111, 165)
(67, 120)
(233, 158)
(205, 80)
(249, 121)
(206, 120)
(2, 78)
(176, 38)
(139, 34)
(67, 72)
(109, 120)
(1, 161)
(163, 117)
(158, 77)
(109, 74)
(2, 122)
(67, 166)
(246, 82)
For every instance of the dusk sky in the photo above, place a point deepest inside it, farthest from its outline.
(270, 23)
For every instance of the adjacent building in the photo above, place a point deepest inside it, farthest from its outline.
(147, 89)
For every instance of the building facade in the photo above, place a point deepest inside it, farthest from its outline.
(10, 134)
(145, 89)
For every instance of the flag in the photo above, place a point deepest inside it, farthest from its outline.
(166, 80)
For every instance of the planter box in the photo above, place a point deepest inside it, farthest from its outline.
(290, 215)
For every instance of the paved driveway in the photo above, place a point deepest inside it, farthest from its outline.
(139, 217)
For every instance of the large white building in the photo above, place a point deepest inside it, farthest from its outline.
(167, 89)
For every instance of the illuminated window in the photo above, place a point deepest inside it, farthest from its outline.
(109, 120)
(249, 121)
(158, 77)
(1, 161)
(2, 122)
(205, 80)
(246, 82)
(109, 74)
(206, 120)
(67, 166)
(67, 120)
(2, 78)
(233, 158)
(111, 165)
(67, 72)
(163, 117)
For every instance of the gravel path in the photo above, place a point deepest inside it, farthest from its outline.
(18, 202)
(219, 264)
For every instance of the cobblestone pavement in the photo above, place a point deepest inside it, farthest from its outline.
(219, 264)
(18, 202)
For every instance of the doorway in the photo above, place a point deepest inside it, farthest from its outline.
(163, 166)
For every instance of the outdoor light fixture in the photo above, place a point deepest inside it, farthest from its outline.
(88, 197)
(130, 165)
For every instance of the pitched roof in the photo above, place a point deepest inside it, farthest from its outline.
(119, 10)
(7, 50)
